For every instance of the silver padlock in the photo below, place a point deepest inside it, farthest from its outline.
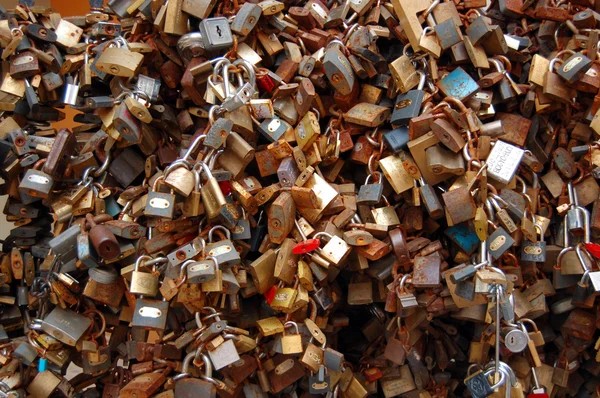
(225, 354)
(216, 33)
(244, 91)
(65, 325)
(71, 90)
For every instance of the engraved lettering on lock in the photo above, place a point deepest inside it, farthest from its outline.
(314, 356)
(403, 103)
(571, 64)
(533, 250)
(498, 242)
(149, 312)
(159, 203)
(320, 386)
(281, 296)
(284, 366)
(477, 386)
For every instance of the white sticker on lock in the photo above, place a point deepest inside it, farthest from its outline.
(504, 161)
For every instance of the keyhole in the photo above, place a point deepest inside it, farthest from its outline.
(219, 31)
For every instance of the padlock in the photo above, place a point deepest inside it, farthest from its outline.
(337, 68)
(370, 194)
(212, 196)
(103, 240)
(126, 123)
(65, 325)
(320, 383)
(150, 314)
(408, 105)
(335, 250)
(143, 283)
(202, 271)
(216, 33)
(223, 250)
(534, 251)
(574, 67)
(291, 343)
(119, 61)
(71, 91)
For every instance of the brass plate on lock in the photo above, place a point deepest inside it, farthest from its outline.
(403, 104)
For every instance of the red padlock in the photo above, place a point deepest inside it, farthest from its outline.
(593, 249)
(270, 294)
(225, 187)
(306, 246)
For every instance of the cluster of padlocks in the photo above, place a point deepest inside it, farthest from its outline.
(297, 198)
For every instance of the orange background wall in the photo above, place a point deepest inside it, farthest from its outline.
(70, 7)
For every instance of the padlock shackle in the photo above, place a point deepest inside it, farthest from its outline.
(406, 278)
(214, 260)
(139, 261)
(337, 42)
(188, 40)
(349, 31)
(505, 369)
(586, 223)
(218, 227)
(297, 227)
(214, 157)
(193, 146)
(176, 164)
(204, 167)
(231, 336)
(319, 234)
(155, 184)
(376, 173)
(496, 370)
(468, 158)
(249, 68)
(290, 324)
(579, 252)
(497, 64)
(529, 321)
